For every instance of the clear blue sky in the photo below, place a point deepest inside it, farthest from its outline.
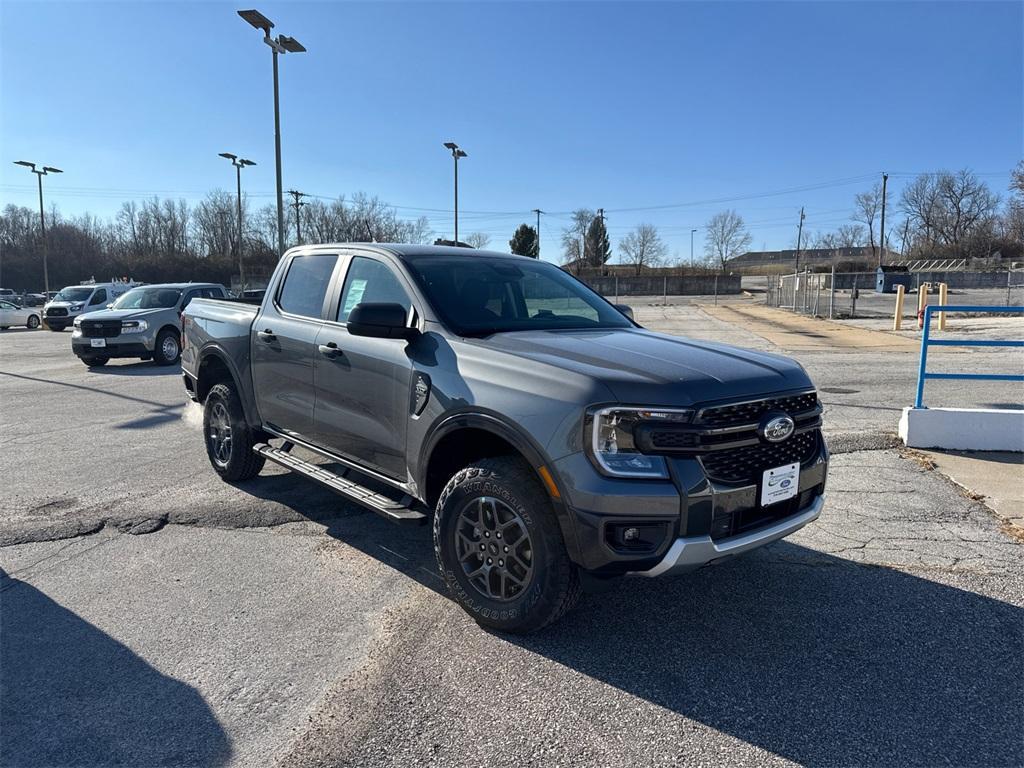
(614, 105)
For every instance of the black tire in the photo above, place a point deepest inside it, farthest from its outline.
(4, 327)
(95, 362)
(55, 328)
(552, 586)
(32, 322)
(168, 347)
(237, 462)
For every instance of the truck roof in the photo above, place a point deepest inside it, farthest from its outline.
(413, 251)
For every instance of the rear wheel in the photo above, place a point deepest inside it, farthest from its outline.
(167, 349)
(500, 549)
(229, 439)
(33, 322)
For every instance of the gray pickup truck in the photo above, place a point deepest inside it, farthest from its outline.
(555, 444)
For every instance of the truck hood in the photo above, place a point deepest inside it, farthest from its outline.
(642, 367)
(123, 314)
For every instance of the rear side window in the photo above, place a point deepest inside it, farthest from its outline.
(306, 284)
(100, 297)
(370, 282)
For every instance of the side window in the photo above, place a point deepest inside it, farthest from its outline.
(306, 283)
(188, 298)
(100, 297)
(5, 305)
(371, 282)
(212, 293)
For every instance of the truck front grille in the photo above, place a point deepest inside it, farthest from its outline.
(727, 441)
(745, 465)
(56, 312)
(101, 329)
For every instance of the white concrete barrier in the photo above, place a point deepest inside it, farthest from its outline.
(965, 429)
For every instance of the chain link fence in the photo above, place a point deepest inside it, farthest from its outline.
(845, 295)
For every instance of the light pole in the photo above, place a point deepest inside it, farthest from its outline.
(46, 169)
(239, 163)
(456, 154)
(280, 44)
(691, 247)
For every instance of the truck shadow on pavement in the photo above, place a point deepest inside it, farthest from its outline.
(812, 657)
(137, 368)
(72, 695)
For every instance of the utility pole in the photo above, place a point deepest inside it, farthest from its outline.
(40, 172)
(691, 248)
(799, 239)
(881, 252)
(239, 163)
(297, 205)
(538, 211)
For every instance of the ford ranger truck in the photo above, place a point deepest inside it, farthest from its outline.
(554, 443)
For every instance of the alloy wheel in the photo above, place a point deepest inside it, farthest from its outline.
(220, 434)
(494, 549)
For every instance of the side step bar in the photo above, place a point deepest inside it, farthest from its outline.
(405, 510)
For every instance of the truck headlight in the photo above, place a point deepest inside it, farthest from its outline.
(78, 322)
(76, 307)
(134, 326)
(613, 448)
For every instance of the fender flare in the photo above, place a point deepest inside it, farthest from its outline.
(214, 350)
(490, 421)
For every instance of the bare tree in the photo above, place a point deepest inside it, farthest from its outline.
(850, 236)
(726, 236)
(643, 248)
(955, 212)
(866, 207)
(478, 239)
(572, 236)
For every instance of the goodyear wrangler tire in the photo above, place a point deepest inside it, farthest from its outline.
(500, 549)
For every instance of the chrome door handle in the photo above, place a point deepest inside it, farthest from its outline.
(267, 335)
(330, 350)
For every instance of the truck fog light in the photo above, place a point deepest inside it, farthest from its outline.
(631, 534)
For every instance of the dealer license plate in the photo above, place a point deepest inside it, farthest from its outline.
(98, 342)
(780, 484)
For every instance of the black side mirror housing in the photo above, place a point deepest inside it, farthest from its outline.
(625, 309)
(380, 321)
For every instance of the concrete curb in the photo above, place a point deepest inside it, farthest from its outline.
(963, 429)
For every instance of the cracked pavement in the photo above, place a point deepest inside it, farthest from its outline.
(274, 623)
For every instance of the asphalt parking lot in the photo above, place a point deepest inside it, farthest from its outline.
(153, 615)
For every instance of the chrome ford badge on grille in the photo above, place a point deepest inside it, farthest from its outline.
(776, 427)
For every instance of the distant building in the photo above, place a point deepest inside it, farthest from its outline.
(809, 257)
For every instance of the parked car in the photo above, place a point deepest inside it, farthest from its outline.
(32, 300)
(7, 294)
(75, 300)
(11, 314)
(555, 443)
(144, 323)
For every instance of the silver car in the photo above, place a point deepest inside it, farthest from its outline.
(12, 314)
(144, 323)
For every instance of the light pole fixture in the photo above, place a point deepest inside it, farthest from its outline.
(538, 211)
(40, 172)
(239, 163)
(691, 247)
(456, 154)
(279, 44)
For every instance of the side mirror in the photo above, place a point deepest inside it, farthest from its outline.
(625, 309)
(110, 305)
(380, 321)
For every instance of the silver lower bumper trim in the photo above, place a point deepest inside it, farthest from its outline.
(688, 554)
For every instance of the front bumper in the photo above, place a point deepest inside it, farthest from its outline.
(690, 553)
(82, 347)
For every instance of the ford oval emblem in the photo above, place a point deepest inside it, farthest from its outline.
(777, 427)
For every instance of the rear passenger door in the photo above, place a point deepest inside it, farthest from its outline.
(284, 344)
(363, 385)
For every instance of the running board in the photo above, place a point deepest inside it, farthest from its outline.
(406, 510)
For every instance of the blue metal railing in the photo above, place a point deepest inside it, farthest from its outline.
(927, 341)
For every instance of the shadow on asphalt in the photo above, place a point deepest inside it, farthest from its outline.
(817, 659)
(138, 368)
(72, 695)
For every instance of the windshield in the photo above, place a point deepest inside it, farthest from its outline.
(149, 298)
(76, 293)
(477, 296)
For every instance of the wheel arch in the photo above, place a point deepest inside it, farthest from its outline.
(216, 367)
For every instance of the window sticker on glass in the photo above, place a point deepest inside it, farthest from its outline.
(354, 296)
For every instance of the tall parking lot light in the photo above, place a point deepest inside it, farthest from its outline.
(280, 44)
(239, 163)
(456, 154)
(40, 172)
(692, 232)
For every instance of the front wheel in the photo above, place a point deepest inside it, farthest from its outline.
(167, 349)
(500, 549)
(96, 361)
(229, 439)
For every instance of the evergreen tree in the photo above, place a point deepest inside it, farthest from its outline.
(599, 247)
(525, 242)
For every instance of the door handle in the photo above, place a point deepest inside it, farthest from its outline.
(330, 350)
(267, 335)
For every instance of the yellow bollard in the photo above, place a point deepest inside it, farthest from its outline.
(922, 302)
(943, 293)
(897, 319)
